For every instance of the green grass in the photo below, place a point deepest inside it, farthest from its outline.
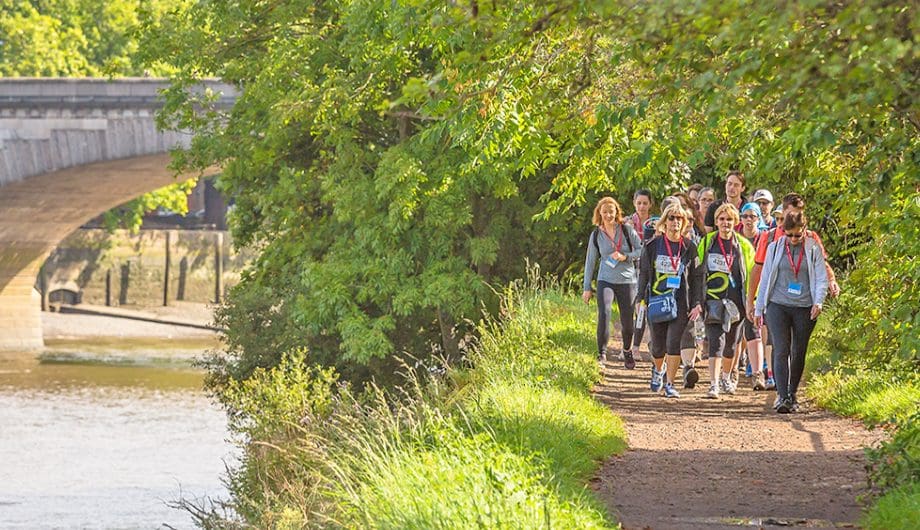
(516, 445)
(899, 509)
(873, 396)
(509, 442)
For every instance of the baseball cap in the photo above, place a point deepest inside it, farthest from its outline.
(764, 195)
(778, 210)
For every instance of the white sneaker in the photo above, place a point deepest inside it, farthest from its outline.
(713, 391)
(726, 384)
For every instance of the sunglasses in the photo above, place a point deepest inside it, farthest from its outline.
(749, 217)
(675, 218)
(795, 236)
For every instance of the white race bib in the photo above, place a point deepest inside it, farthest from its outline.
(716, 263)
(664, 265)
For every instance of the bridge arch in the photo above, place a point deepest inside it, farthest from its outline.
(70, 149)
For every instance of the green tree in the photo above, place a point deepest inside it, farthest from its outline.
(394, 159)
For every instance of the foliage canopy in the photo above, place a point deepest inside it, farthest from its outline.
(394, 159)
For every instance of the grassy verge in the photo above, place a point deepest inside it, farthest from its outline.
(508, 442)
(884, 395)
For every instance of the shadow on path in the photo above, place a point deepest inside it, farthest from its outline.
(697, 463)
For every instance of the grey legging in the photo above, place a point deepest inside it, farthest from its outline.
(624, 294)
(790, 327)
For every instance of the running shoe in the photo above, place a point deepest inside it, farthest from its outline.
(785, 406)
(759, 383)
(770, 383)
(691, 376)
(793, 404)
(628, 360)
(670, 391)
(777, 402)
(657, 376)
(713, 391)
(726, 384)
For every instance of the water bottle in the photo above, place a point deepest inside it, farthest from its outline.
(640, 314)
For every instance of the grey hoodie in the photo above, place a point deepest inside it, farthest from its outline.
(610, 270)
(817, 273)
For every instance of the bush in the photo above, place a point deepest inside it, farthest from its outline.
(508, 442)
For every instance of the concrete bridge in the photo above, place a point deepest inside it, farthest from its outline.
(70, 149)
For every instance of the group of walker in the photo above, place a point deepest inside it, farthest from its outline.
(734, 269)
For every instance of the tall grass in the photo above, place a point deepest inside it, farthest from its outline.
(507, 442)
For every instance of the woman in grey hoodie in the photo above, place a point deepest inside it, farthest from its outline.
(791, 294)
(613, 247)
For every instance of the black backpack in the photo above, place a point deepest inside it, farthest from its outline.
(623, 227)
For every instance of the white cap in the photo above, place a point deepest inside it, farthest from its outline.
(762, 195)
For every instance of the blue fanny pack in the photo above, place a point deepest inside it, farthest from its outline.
(662, 307)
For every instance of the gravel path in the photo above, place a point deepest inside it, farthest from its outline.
(696, 463)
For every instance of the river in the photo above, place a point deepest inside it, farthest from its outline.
(95, 437)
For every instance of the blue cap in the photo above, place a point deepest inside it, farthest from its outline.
(751, 206)
(754, 207)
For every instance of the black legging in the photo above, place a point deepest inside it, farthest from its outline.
(667, 337)
(722, 344)
(790, 329)
(624, 293)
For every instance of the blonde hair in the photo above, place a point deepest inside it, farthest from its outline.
(673, 208)
(731, 210)
(597, 220)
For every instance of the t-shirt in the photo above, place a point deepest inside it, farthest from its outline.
(792, 289)
(724, 280)
(710, 219)
(637, 225)
(761, 255)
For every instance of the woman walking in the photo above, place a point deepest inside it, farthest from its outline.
(727, 261)
(752, 228)
(792, 290)
(670, 282)
(616, 246)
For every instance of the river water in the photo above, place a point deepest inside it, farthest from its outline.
(97, 438)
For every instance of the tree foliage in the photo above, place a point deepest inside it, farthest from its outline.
(394, 159)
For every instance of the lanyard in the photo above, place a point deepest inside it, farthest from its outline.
(680, 250)
(617, 242)
(729, 257)
(637, 224)
(796, 267)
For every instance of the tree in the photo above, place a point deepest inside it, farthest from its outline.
(395, 159)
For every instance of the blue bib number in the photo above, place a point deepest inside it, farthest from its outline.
(673, 282)
(795, 289)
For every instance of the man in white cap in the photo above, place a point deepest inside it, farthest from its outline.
(765, 200)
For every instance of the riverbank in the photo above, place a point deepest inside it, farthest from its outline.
(181, 320)
(174, 335)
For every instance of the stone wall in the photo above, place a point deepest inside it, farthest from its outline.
(137, 265)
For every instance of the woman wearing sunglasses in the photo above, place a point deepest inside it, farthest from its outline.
(669, 267)
(792, 291)
(727, 261)
(753, 228)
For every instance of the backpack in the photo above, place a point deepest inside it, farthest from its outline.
(625, 235)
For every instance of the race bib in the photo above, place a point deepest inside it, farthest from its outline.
(795, 289)
(716, 263)
(664, 265)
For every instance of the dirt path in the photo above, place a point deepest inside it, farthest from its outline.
(695, 463)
